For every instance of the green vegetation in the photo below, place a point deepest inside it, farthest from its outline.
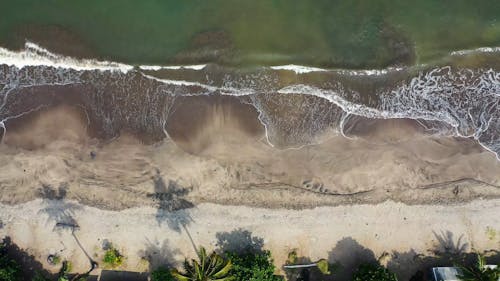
(373, 272)
(293, 259)
(54, 259)
(479, 272)
(323, 266)
(61, 276)
(253, 266)
(112, 257)
(232, 265)
(9, 269)
(162, 274)
(207, 268)
(40, 277)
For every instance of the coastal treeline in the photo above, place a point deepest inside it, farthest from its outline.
(247, 263)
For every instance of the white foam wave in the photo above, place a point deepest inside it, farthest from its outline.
(474, 51)
(182, 83)
(367, 72)
(300, 69)
(224, 90)
(172, 67)
(34, 55)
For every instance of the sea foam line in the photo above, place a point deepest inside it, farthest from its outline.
(301, 69)
(172, 67)
(478, 50)
(34, 55)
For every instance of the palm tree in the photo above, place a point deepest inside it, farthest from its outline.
(208, 268)
(480, 272)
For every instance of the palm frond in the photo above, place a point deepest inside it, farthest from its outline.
(223, 271)
(179, 276)
(206, 268)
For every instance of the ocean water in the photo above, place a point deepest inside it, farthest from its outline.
(308, 67)
(323, 33)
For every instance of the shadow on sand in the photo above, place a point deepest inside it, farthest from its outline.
(30, 266)
(448, 250)
(57, 209)
(61, 213)
(239, 241)
(159, 254)
(171, 203)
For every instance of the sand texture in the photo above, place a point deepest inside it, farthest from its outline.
(220, 156)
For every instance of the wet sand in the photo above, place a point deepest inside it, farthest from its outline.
(218, 153)
(197, 122)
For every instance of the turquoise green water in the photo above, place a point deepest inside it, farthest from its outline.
(350, 33)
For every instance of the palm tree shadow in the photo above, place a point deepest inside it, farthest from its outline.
(171, 203)
(448, 245)
(159, 254)
(58, 210)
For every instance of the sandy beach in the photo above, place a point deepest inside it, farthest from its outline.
(388, 187)
(356, 132)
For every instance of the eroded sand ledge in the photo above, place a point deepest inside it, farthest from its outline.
(342, 233)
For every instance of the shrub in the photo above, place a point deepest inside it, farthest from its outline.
(213, 267)
(479, 271)
(162, 274)
(39, 277)
(252, 266)
(9, 269)
(112, 257)
(373, 272)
